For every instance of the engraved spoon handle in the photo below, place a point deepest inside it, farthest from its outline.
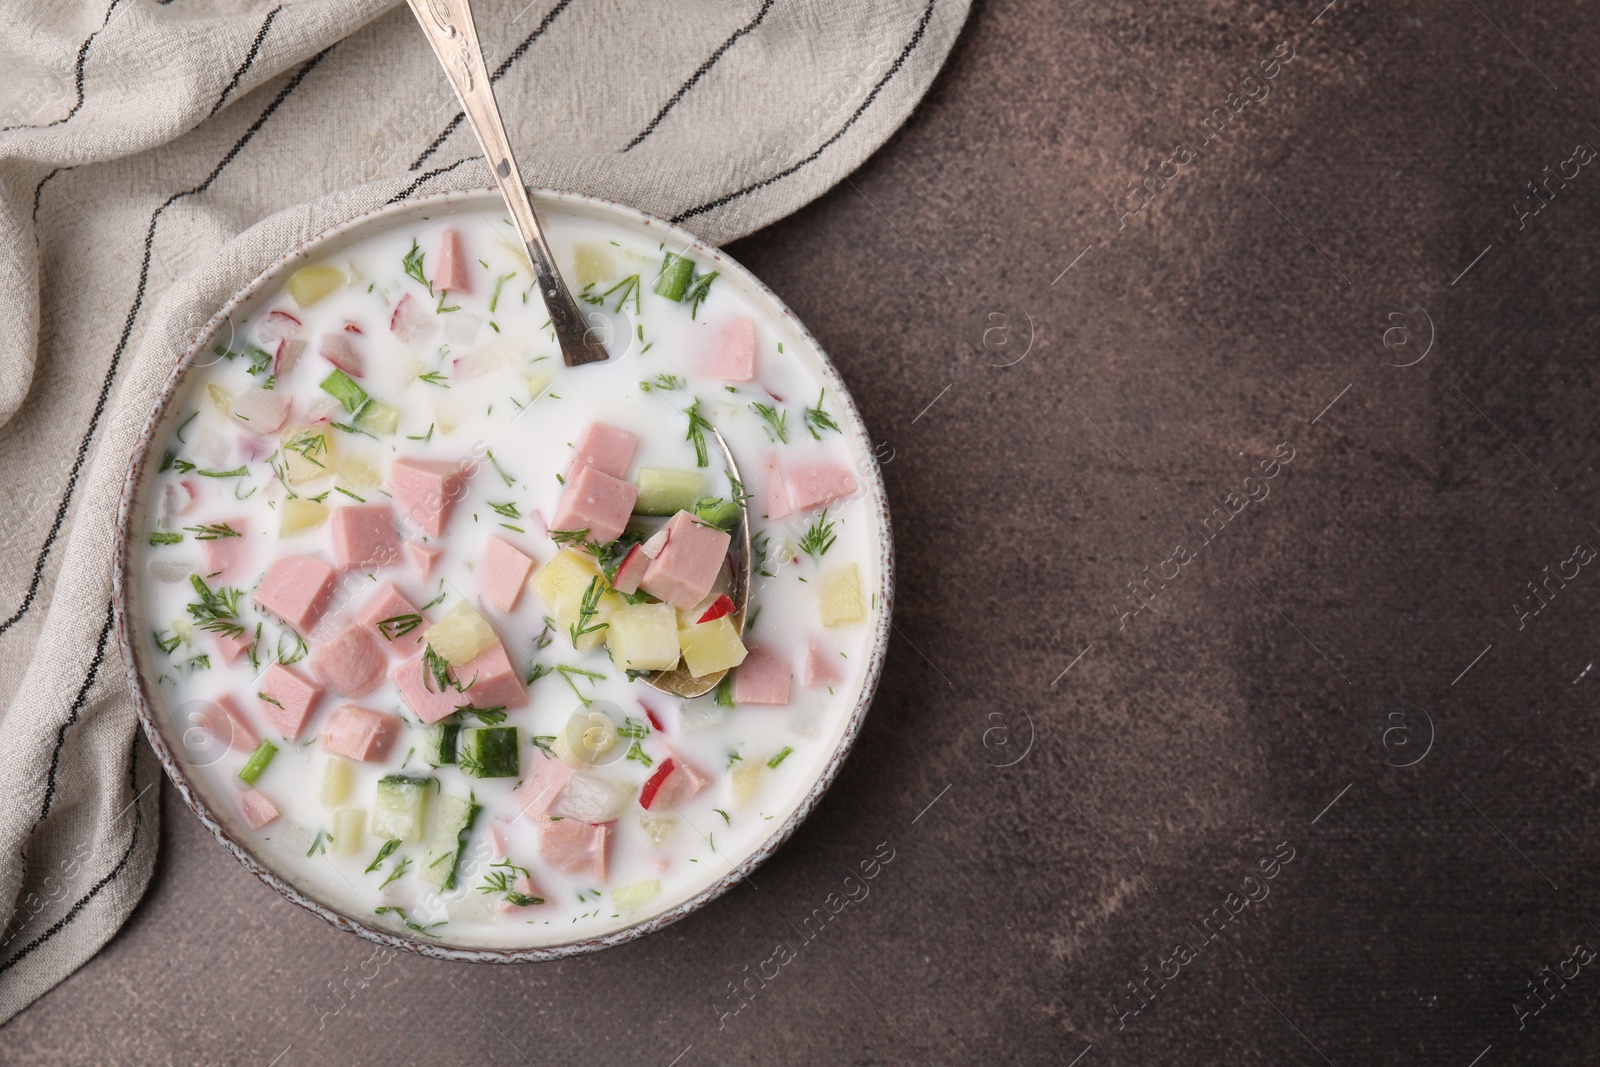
(450, 29)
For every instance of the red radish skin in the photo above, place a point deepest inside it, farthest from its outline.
(277, 326)
(351, 327)
(655, 721)
(653, 784)
(631, 570)
(337, 349)
(721, 606)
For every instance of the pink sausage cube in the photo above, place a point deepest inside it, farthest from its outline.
(491, 680)
(815, 484)
(286, 699)
(423, 557)
(575, 847)
(388, 604)
(225, 556)
(824, 666)
(296, 589)
(774, 489)
(526, 887)
(454, 265)
(349, 662)
(359, 733)
(427, 490)
(597, 502)
(225, 721)
(505, 571)
(422, 694)
(543, 785)
(606, 449)
(686, 568)
(735, 359)
(258, 810)
(364, 536)
(763, 677)
(232, 646)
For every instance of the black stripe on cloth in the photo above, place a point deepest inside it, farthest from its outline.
(110, 876)
(78, 705)
(83, 57)
(434, 173)
(699, 73)
(905, 53)
(127, 332)
(516, 54)
(250, 57)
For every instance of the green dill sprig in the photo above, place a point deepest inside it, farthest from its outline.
(164, 537)
(213, 531)
(501, 880)
(571, 674)
(413, 265)
(699, 289)
(587, 610)
(697, 433)
(637, 753)
(817, 418)
(217, 611)
(383, 854)
(397, 626)
(425, 931)
(819, 537)
(777, 422)
(488, 716)
(508, 509)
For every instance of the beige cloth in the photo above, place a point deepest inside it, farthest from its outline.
(156, 155)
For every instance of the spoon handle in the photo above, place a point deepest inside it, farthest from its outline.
(449, 27)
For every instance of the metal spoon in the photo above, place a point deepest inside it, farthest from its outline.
(734, 580)
(449, 27)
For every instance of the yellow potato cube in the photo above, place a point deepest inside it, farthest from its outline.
(220, 398)
(297, 514)
(842, 604)
(358, 474)
(310, 284)
(633, 897)
(657, 829)
(538, 382)
(709, 647)
(590, 265)
(307, 453)
(337, 777)
(745, 778)
(461, 635)
(565, 578)
(643, 637)
(349, 828)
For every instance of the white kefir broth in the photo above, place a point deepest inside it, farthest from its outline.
(526, 410)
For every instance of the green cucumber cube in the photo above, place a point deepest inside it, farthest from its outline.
(447, 841)
(667, 492)
(400, 807)
(489, 752)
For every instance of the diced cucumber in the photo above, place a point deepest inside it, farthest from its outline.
(667, 492)
(337, 776)
(257, 762)
(439, 743)
(344, 389)
(715, 511)
(349, 830)
(379, 418)
(399, 809)
(633, 897)
(489, 752)
(447, 842)
(673, 281)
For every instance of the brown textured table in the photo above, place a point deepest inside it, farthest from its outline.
(1336, 303)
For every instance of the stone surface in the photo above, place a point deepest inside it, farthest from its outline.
(1360, 616)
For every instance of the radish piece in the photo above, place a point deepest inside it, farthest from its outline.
(652, 548)
(655, 721)
(721, 606)
(277, 326)
(260, 410)
(290, 349)
(337, 349)
(631, 570)
(411, 322)
(653, 784)
(351, 327)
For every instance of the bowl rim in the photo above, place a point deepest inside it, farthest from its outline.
(125, 553)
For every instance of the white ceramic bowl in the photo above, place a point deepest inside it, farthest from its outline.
(165, 733)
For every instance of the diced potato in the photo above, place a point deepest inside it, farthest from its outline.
(711, 646)
(591, 264)
(746, 776)
(643, 637)
(562, 583)
(349, 830)
(461, 635)
(538, 382)
(378, 417)
(337, 778)
(358, 474)
(220, 397)
(656, 828)
(183, 629)
(446, 415)
(633, 897)
(586, 737)
(297, 514)
(310, 284)
(307, 453)
(842, 603)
